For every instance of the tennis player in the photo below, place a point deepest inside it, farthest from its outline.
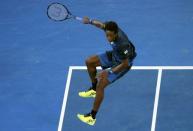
(115, 63)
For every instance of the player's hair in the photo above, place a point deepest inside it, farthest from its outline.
(111, 26)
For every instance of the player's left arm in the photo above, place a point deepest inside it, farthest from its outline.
(124, 53)
(117, 69)
(124, 65)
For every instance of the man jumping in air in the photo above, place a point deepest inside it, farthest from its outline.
(115, 64)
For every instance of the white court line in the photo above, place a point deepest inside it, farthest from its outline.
(160, 68)
(65, 99)
(145, 67)
(156, 101)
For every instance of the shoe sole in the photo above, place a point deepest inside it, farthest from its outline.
(78, 115)
(87, 96)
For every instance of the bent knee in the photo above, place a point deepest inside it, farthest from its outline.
(103, 80)
(92, 61)
(88, 61)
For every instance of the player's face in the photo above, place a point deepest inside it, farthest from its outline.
(111, 36)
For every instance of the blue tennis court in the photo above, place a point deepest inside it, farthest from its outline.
(42, 66)
(136, 99)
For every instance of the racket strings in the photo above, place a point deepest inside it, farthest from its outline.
(57, 12)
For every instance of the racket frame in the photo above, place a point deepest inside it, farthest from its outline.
(69, 14)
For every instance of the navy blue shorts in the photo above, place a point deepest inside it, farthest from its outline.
(107, 63)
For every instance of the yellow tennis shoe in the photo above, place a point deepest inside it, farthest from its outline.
(87, 94)
(86, 119)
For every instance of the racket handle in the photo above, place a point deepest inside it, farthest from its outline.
(78, 18)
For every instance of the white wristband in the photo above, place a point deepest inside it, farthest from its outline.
(110, 71)
(91, 21)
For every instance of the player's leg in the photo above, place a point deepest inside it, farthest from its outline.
(107, 79)
(103, 82)
(91, 63)
(99, 93)
(90, 117)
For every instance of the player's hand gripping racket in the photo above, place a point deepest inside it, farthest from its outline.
(59, 12)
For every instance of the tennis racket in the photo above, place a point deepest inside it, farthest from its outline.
(59, 12)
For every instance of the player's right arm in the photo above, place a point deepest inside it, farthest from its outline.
(96, 23)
